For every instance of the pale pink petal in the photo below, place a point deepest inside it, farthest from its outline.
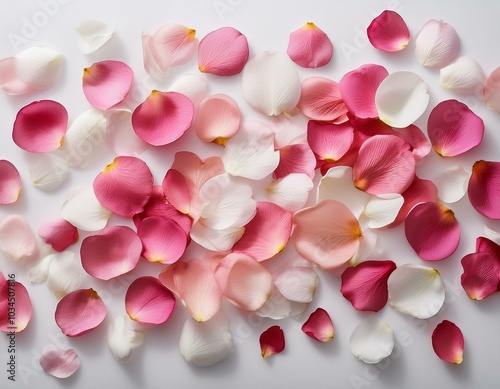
(448, 342)
(194, 282)
(320, 99)
(148, 302)
(432, 231)
(437, 44)
(267, 233)
(272, 341)
(171, 45)
(329, 142)
(163, 117)
(121, 137)
(16, 238)
(416, 139)
(388, 32)
(491, 91)
(310, 47)
(114, 251)
(384, 165)
(124, 186)
(10, 183)
(244, 281)
(319, 326)
(464, 76)
(484, 188)
(218, 118)
(297, 283)
(164, 241)
(223, 52)
(481, 275)
(21, 306)
(106, 83)
(296, 158)
(40, 126)
(59, 233)
(290, 192)
(365, 285)
(358, 88)
(176, 191)
(326, 234)
(60, 363)
(80, 312)
(453, 128)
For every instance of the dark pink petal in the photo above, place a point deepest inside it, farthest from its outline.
(163, 239)
(388, 32)
(175, 187)
(223, 52)
(453, 128)
(310, 47)
(420, 191)
(481, 276)
(385, 164)
(80, 312)
(320, 99)
(319, 326)
(148, 302)
(124, 186)
(163, 117)
(114, 251)
(432, 231)
(484, 188)
(10, 182)
(40, 126)
(218, 119)
(105, 84)
(358, 88)
(272, 341)
(267, 233)
(448, 342)
(15, 305)
(329, 142)
(59, 363)
(59, 233)
(365, 285)
(416, 139)
(296, 158)
(485, 245)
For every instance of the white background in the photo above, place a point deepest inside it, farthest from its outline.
(304, 363)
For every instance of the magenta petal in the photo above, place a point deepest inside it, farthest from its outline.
(453, 128)
(296, 158)
(59, 233)
(112, 252)
(80, 312)
(485, 245)
(272, 341)
(388, 32)
(432, 231)
(329, 142)
(223, 52)
(319, 326)
(448, 342)
(163, 117)
(310, 47)
(484, 188)
(106, 83)
(10, 182)
(163, 239)
(176, 190)
(40, 126)
(358, 89)
(320, 99)
(416, 139)
(481, 276)
(21, 305)
(59, 363)
(124, 186)
(365, 285)
(149, 302)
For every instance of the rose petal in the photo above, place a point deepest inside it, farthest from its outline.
(192, 86)
(416, 138)
(174, 184)
(452, 184)
(16, 238)
(372, 341)
(297, 283)
(491, 91)
(65, 274)
(382, 210)
(48, 171)
(92, 35)
(310, 47)
(80, 312)
(481, 275)
(122, 338)
(272, 341)
(22, 305)
(448, 342)
(330, 142)
(296, 158)
(59, 233)
(290, 192)
(82, 209)
(10, 183)
(121, 137)
(368, 248)
(220, 240)
(388, 32)
(437, 44)
(320, 99)
(60, 363)
(277, 307)
(319, 326)
(464, 76)
(218, 119)
(484, 188)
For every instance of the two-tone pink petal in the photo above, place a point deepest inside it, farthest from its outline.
(15, 304)
(319, 326)
(295, 158)
(329, 142)
(272, 341)
(310, 47)
(448, 342)
(10, 183)
(320, 99)
(60, 363)
(59, 233)
(484, 188)
(388, 32)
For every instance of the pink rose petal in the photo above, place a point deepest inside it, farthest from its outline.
(272, 341)
(365, 285)
(223, 52)
(80, 312)
(10, 183)
(114, 251)
(453, 128)
(448, 342)
(21, 305)
(106, 83)
(329, 142)
(481, 276)
(124, 186)
(295, 158)
(388, 32)
(40, 126)
(319, 326)
(416, 139)
(163, 117)
(148, 302)
(320, 99)
(491, 90)
(310, 47)
(484, 188)
(59, 233)
(17, 239)
(175, 186)
(60, 363)
(432, 231)
(218, 119)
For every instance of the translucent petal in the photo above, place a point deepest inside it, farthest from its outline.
(372, 341)
(82, 209)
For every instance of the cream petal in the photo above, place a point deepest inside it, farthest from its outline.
(92, 34)
(437, 44)
(464, 76)
(122, 337)
(290, 192)
(193, 86)
(39, 67)
(368, 248)
(278, 307)
(382, 210)
(452, 183)
(120, 135)
(49, 170)
(82, 209)
(297, 283)
(372, 340)
(216, 240)
(65, 274)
